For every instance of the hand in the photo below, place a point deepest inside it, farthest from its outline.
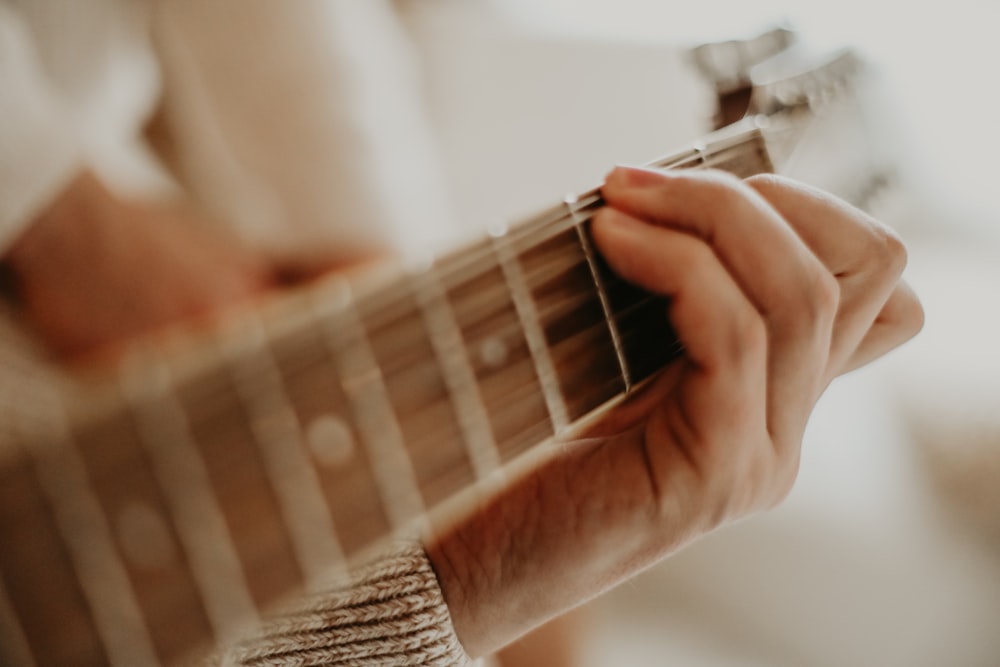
(93, 271)
(775, 289)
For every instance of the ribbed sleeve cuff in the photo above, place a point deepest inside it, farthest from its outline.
(392, 616)
(39, 152)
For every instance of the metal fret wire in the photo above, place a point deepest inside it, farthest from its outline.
(359, 374)
(279, 438)
(183, 477)
(554, 220)
(574, 206)
(534, 335)
(459, 376)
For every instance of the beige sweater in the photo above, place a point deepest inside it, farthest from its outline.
(392, 615)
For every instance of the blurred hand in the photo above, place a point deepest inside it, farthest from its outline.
(93, 271)
(775, 289)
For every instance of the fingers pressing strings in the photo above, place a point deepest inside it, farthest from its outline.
(781, 276)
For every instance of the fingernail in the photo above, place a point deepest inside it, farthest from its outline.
(635, 177)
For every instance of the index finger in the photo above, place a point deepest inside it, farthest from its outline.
(780, 275)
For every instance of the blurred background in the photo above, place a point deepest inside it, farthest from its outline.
(888, 551)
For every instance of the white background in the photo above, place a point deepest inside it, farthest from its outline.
(940, 60)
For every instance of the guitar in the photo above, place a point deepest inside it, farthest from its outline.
(163, 506)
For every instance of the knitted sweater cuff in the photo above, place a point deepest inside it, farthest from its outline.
(393, 615)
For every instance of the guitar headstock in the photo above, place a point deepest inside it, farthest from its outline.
(817, 107)
(727, 67)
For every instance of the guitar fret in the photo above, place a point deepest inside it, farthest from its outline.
(241, 485)
(279, 437)
(574, 323)
(39, 576)
(576, 206)
(363, 385)
(417, 387)
(459, 376)
(647, 339)
(306, 362)
(499, 356)
(648, 336)
(144, 533)
(166, 438)
(588, 369)
(533, 332)
(102, 573)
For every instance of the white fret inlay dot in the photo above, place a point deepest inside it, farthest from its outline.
(497, 229)
(145, 538)
(330, 440)
(493, 352)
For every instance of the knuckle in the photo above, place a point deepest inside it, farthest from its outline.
(893, 251)
(697, 262)
(903, 312)
(912, 318)
(886, 254)
(782, 488)
(824, 295)
(810, 319)
(723, 190)
(752, 332)
(815, 305)
(765, 183)
(783, 474)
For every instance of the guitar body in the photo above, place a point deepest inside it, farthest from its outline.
(160, 507)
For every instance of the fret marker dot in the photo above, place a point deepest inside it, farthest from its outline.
(144, 536)
(330, 440)
(497, 229)
(493, 351)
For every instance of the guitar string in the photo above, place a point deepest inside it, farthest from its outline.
(524, 236)
(558, 307)
(527, 235)
(602, 389)
(505, 332)
(529, 428)
(498, 376)
(509, 329)
(555, 218)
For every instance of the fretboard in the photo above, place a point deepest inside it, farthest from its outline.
(148, 519)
